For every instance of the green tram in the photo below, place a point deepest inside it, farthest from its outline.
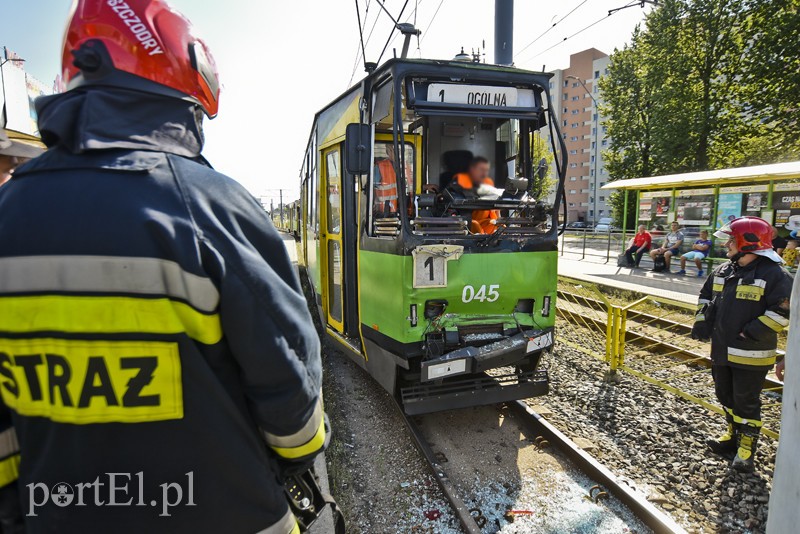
(417, 299)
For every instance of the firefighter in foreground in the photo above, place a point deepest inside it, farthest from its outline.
(156, 353)
(743, 306)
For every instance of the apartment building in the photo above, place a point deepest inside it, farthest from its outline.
(576, 94)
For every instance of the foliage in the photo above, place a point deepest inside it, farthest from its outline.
(706, 84)
(541, 150)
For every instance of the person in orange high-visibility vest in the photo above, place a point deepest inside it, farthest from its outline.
(385, 186)
(483, 221)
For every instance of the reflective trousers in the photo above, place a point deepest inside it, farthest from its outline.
(739, 389)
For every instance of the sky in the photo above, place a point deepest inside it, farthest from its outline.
(282, 61)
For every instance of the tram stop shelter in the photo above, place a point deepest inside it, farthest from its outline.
(707, 200)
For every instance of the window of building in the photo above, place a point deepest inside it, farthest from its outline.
(605, 71)
(591, 173)
(565, 96)
(575, 84)
(596, 89)
(573, 179)
(571, 204)
(605, 130)
(591, 159)
(594, 144)
(572, 191)
(604, 142)
(566, 83)
(594, 131)
(575, 98)
(596, 74)
(575, 111)
(603, 170)
(594, 116)
(563, 136)
(602, 199)
(591, 199)
(573, 138)
(573, 165)
(551, 85)
(565, 110)
(602, 212)
(574, 124)
(591, 213)
(573, 152)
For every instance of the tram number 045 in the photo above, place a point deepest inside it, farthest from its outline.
(482, 293)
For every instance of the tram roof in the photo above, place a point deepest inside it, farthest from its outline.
(759, 173)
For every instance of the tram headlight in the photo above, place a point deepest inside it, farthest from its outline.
(524, 306)
(434, 308)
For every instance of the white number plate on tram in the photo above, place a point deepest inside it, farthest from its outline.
(430, 270)
(541, 342)
(475, 95)
(445, 369)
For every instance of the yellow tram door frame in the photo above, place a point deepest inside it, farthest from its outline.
(331, 268)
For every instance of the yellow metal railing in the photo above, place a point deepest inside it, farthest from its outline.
(647, 338)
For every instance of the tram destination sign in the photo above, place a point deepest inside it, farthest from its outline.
(480, 95)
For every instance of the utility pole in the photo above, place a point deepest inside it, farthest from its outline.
(503, 32)
(4, 108)
(280, 193)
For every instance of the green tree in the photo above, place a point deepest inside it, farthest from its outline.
(771, 78)
(705, 84)
(628, 86)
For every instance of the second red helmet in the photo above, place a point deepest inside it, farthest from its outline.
(142, 45)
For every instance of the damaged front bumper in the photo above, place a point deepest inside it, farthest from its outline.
(470, 360)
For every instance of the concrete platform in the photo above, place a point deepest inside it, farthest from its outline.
(642, 280)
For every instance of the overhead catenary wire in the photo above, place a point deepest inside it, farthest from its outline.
(360, 52)
(565, 39)
(391, 33)
(598, 21)
(425, 33)
(556, 23)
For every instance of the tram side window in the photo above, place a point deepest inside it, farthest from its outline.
(334, 196)
(384, 182)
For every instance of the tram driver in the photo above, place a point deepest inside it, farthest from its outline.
(472, 183)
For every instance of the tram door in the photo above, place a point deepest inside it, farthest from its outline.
(331, 245)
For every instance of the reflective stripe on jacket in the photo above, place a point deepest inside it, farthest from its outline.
(749, 306)
(151, 322)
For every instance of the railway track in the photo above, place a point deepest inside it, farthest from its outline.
(641, 338)
(545, 436)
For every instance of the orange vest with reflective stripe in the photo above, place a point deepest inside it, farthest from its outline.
(386, 190)
(482, 217)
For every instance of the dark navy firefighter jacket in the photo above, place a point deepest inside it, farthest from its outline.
(156, 352)
(746, 307)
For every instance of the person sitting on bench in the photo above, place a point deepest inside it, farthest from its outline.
(670, 247)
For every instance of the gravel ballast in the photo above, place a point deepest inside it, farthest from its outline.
(657, 441)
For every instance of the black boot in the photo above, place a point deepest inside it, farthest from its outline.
(727, 443)
(748, 443)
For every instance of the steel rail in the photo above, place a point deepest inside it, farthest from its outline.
(456, 503)
(652, 517)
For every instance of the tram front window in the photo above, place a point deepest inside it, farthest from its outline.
(385, 189)
(482, 172)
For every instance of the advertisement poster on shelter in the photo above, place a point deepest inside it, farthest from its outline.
(729, 208)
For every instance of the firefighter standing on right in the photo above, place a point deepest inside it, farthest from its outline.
(743, 306)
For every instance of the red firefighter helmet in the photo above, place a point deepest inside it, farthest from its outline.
(142, 45)
(751, 234)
